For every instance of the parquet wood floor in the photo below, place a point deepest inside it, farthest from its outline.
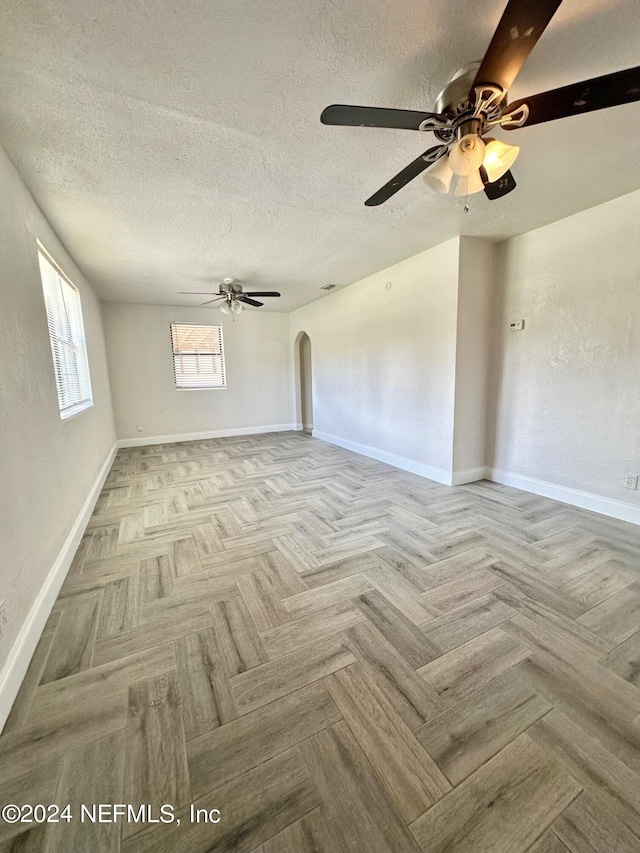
(340, 657)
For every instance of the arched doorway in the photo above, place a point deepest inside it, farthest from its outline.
(304, 385)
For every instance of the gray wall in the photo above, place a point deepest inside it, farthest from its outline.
(566, 392)
(259, 381)
(47, 466)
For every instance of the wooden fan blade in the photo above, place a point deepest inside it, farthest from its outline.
(407, 174)
(245, 298)
(352, 116)
(262, 293)
(521, 25)
(599, 93)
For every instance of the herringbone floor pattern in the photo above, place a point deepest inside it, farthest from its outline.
(338, 656)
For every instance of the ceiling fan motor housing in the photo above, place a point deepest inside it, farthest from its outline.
(454, 103)
(230, 285)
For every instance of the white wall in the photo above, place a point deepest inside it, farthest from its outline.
(476, 280)
(47, 466)
(258, 367)
(567, 389)
(384, 360)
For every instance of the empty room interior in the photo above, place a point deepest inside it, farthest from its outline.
(320, 426)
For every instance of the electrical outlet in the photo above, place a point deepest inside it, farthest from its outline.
(631, 481)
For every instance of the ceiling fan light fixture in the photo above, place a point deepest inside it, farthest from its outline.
(469, 184)
(438, 176)
(499, 158)
(467, 154)
(236, 307)
(225, 308)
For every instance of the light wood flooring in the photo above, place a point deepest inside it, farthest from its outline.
(338, 656)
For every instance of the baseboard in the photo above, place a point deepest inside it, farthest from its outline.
(470, 475)
(427, 471)
(16, 665)
(202, 436)
(575, 497)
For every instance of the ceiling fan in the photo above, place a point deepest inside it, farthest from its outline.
(231, 296)
(475, 100)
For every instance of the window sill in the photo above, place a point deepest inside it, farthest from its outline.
(70, 414)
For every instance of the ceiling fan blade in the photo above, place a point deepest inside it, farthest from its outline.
(521, 25)
(208, 302)
(245, 298)
(351, 116)
(262, 293)
(611, 90)
(407, 174)
(503, 186)
(195, 292)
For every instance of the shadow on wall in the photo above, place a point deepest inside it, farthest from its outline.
(496, 357)
(304, 388)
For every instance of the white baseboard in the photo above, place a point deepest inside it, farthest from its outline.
(470, 475)
(202, 436)
(622, 510)
(428, 471)
(16, 665)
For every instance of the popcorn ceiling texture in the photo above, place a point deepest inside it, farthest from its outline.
(171, 144)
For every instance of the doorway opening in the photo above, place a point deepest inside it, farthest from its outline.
(304, 384)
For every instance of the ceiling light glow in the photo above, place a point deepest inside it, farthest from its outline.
(499, 158)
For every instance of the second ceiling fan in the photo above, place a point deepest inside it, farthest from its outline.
(475, 101)
(231, 296)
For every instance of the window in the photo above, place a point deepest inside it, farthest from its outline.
(198, 356)
(66, 333)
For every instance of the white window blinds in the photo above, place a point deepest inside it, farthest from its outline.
(198, 356)
(66, 333)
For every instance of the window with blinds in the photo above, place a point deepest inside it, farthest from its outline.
(66, 333)
(198, 356)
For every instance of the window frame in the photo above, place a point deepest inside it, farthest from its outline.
(220, 387)
(76, 342)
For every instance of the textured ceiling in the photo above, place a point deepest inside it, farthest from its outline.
(171, 144)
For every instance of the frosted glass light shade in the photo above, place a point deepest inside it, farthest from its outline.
(469, 184)
(225, 308)
(236, 306)
(438, 176)
(499, 158)
(467, 155)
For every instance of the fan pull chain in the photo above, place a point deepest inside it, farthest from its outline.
(466, 207)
